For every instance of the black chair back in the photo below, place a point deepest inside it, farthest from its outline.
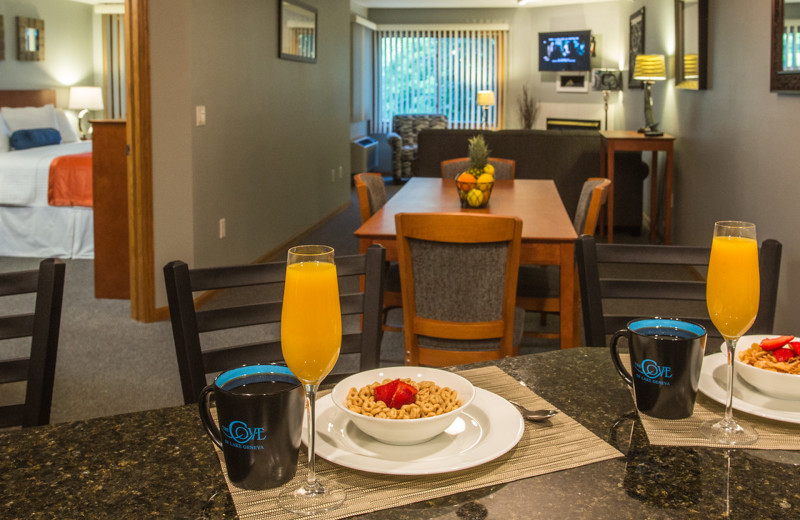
(194, 361)
(597, 287)
(42, 326)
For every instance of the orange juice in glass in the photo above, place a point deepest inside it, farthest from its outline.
(732, 293)
(732, 289)
(311, 337)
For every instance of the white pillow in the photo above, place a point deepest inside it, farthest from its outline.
(67, 126)
(28, 118)
(4, 134)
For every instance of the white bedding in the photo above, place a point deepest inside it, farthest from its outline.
(29, 227)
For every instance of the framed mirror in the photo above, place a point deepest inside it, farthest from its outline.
(785, 46)
(298, 31)
(30, 39)
(691, 44)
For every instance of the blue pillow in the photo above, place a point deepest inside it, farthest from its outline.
(33, 137)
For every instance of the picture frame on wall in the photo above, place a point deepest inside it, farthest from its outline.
(297, 32)
(30, 39)
(576, 82)
(2, 39)
(635, 45)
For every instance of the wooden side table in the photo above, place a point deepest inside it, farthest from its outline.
(631, 141)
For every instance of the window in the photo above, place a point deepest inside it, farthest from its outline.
(439, 71)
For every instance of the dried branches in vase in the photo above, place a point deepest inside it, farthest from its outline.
(527, 108)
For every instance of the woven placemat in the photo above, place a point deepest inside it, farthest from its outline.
(772, 435)
(558, 444)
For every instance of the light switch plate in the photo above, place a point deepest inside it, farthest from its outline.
(200, 115)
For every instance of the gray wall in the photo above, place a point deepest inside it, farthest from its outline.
(276, 129)
(68, 31)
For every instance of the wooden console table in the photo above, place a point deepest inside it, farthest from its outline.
(631, 141)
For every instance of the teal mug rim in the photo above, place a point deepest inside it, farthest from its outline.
(698, 330)
(250, 370)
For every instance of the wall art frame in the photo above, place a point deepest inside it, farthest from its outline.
(30, 39)
(2, 39)
(635, 45)
(571, 81)
(297, 34)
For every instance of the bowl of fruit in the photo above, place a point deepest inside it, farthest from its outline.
(403, 405)
(475, 184)
(771, 364)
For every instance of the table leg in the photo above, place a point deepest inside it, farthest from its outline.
(668, 201)
(569, 297)
(610, 201)
(653, 195)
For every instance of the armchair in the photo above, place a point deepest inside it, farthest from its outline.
(403, 140)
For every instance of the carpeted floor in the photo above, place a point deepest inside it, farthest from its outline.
(110, 364)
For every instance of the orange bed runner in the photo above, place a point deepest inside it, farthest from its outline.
(70, 181)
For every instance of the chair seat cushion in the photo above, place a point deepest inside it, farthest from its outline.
(477, 344)
(538, 281)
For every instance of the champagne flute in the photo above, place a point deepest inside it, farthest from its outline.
(732, 294)
(311, 337)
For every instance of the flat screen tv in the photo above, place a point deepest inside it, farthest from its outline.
(569, 50)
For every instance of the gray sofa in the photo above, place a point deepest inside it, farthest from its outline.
(403, 140)
(568, 157)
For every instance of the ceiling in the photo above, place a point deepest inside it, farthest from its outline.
(393, 4)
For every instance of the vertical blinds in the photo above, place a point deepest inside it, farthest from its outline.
(440, 70)
(114, 65)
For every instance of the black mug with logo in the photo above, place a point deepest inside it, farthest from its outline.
(666, 358)
(260, 413)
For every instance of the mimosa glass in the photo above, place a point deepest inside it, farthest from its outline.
(732, 294)
(311, 337)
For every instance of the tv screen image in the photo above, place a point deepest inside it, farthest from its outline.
(568, 50)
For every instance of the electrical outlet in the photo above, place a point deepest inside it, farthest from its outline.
(200, 115)
(333, 174)
(222, 228)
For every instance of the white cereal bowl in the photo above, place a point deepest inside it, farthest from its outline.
(403, 431)
(773, 384)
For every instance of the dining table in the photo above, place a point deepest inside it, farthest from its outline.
(548, 235)
(160, 464)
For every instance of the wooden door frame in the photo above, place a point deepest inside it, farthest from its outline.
(140, 161)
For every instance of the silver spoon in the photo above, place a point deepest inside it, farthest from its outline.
(534, 415)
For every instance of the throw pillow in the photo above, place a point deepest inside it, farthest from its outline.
(29, 117)
(66, 127)
(31, 138)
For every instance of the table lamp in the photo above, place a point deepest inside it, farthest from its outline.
(485, 100)
(606, 80)
(650, 68)
(85, 99)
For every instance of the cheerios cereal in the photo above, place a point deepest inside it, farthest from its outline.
(432, 400)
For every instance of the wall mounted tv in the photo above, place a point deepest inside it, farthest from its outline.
(569, 50)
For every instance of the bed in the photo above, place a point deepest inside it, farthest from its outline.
(36, 219)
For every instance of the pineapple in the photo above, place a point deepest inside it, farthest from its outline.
(478, 154)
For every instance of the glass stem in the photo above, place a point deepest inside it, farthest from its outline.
(728, 418)
(311, 394)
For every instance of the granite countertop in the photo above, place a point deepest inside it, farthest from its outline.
(160, 464)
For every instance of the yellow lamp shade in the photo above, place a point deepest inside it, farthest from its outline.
(650, 67)
(485, 98)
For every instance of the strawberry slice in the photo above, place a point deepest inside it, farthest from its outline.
(775, 343)
(783, 354)
(795, 345)
(405, 394)
(385, 392)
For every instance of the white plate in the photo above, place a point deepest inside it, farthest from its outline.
(485, 430)
(713, 380)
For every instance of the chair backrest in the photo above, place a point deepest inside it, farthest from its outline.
(593, 195)
(459, 278)
(504, 169)
(407, 126)
(42, 326)
(663, 275)
(371, 193)
(361, 314)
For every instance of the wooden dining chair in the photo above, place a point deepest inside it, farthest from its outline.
(361, 315)
(371, 194)
(42, 326)
(459, 275)
(503, 168)
(670, 278)
(538, 286)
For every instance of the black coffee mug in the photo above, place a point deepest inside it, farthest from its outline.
(260, 412)
(666, 357)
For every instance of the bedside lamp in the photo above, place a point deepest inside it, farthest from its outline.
(649, 68)
(485, 100)
(85, 99)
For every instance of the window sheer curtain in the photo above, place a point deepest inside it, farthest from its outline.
(440, 69)
(114, 65)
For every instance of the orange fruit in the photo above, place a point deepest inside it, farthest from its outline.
(465, 181)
